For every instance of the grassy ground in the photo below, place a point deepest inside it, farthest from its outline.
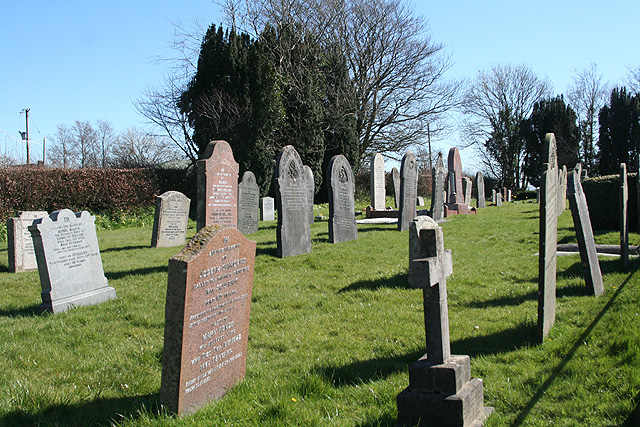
(333, 332)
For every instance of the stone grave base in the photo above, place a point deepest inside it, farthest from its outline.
(86, 298)
(458, 209)
(442, 395)
(386, 213)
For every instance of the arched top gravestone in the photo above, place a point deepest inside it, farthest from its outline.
(248, 204)
(455, 166)
(377, 182)
(408, 190)
(342, 221)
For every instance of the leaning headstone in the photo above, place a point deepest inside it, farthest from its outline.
(584, 234)
(441, 391)
(549, 188)
(217, 186)
(494, 200)
(562, 189)
(377, 182)
(624, 219)
(578, 169)
(170, 220)
(311, 191)
(22, 256)
(467, 187)
(342, 189)
(248, 204)
(408, 190)
(395, 177)
(267, 209)
(292, 234)
(439, 174)
(69, 262)
(499, 199)
(206, 318)
(480, 188)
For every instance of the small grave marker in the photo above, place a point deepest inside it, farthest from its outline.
(22, 256)
(170, 220)
(267, 209)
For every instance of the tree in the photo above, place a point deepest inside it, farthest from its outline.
(62, 154)
(495, 104)
(619, 140)
(633, 80)
(587, 95)
(138, 149)
(106, 136)
(86, 143)
(550, 115)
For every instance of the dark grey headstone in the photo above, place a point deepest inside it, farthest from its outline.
(378, 195)
(248, 204)
(438, 174)
(267, 209)
(170, 220)
(69, 262)
(549, 188)
(293, 234)
(395, 177)
(22, 256)
(584, 234)
(206, 318)
(342, 189)
(624, 219)
(456, 194)
(408, 190)
(480, 187)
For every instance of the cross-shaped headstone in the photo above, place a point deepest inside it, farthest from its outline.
(429, 266)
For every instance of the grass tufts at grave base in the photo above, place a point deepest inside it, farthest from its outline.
(333, 332)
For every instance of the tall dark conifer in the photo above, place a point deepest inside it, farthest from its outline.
(619, 140)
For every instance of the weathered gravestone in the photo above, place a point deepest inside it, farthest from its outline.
(206, 318)
(624, 220)
(22, 256)
(578, 169)
(248, 204)
(499, 199)
(494, 200)
(378, 195)
(420, 201)
(438, 175)
(584, 234)
(467, 187)
(562, 189)
(342, 188)
(395, 177)
(69, 262)
(456, 204)
(311, 190)
(292, 234)
(267, 209)
(217, 186)
(441, 391)
(408, 190)
(509, 196)
(170, 220)
(480, 188)
(549, 188)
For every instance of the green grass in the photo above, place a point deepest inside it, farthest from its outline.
(333, 332)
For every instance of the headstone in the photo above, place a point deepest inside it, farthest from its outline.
(504, 193)
(267, 209)
(467, 187)
(342, 190)
(22, 256)
(292, 234)
(206, 318)
(584, 234)
(377, 182)
(494, 200)
(69, 262)
(170, 220)
(248, 204)
(457, 204)
(499, 199)
(395, 177)
(450, 187)
(480, 188)
(624, 220)
(441, 391)
(578, 169)
(584, 175)
(549, 188)
(538, 195)
(509, 196)
(420, 201)
(638, 190)
(562, 189)
(438, 174)
(217, 186)
(311, 191)
(408, 190)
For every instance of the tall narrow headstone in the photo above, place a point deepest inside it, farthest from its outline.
(267, 209)
(170, 220)
(624, 220)
(342, 189)
(638, 190)
(549, 189)
(292, 234)
(584, 234)
(206, 318)
(480, 188)
(438, 174)
(217, 186)
(456, 204)
(578, 169)
(395, 177)
(509, 196)
(248, 204)
(378, 201)
(408, 190)
(466, 186)
(311, 191)
(493, 197)
(22, 256)
(562, 189)
(441, 391)
(499, 199)
(69, 262)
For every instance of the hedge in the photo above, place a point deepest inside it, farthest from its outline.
(603, 199)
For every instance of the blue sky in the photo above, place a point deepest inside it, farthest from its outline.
(79, 60)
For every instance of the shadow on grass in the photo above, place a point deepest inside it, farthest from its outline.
(633, 420)
(382, 421)
(4, 268)
(30, 311)
(396, 282)
(500, 342)
(267, 249)
(99, 412)
(522, 416)
(125, 248)
(136, 272)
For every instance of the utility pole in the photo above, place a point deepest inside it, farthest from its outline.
(25, 135)
(429, 141)
(44, 144)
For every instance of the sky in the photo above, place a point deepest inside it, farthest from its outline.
(74, 60)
